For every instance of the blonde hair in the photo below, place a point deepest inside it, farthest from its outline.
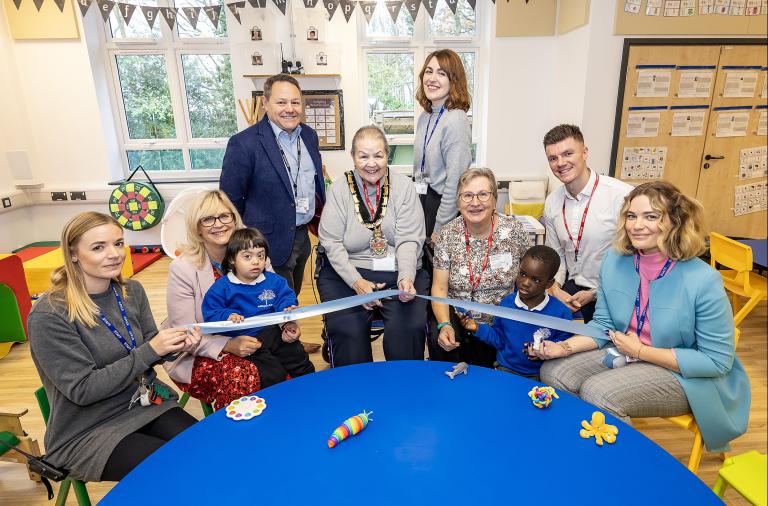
(68, 281)
(473, 173)
(683, 239)
(205, 204)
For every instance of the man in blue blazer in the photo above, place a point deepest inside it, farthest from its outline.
(273, 174)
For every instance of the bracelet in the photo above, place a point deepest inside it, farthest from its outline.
(443, 324)
(639, 349)
(567, 347)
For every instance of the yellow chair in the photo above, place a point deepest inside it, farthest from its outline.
(688, 422)
(746, 473)
(738, 278)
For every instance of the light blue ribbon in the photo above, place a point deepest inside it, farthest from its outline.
(530, 317)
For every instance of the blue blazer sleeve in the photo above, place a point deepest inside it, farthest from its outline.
(236, 170)
(214, 305)
(714, 352)
(602, 317)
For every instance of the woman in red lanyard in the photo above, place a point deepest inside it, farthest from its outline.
(669, 325)
(372, 231)
(95, 344)
(477, 256)
(443, 137)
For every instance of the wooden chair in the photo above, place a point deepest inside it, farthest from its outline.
(80, 491)
(738, 279)
(15, 435)
(688, 422)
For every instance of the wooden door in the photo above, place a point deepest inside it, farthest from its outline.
(719, 177)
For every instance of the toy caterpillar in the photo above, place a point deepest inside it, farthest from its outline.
(350, 427)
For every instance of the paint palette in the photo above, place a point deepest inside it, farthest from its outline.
(246, 408)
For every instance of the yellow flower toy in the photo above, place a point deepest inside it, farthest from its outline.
(599, 429)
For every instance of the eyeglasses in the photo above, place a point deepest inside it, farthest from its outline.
(224, 219)
(468, 197)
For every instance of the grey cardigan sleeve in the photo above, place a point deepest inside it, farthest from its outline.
(456, 148)
(333, 224)
(61, 354)
(409, 233)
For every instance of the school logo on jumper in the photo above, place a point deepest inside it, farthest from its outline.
(266, 297)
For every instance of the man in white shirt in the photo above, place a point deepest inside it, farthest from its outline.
(580, 218)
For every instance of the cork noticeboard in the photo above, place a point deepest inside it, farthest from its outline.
(26, 23)
(627, 23)
(518, 18)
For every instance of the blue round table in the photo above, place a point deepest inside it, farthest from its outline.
(476, 439)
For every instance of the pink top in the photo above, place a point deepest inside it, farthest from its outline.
(650, 266)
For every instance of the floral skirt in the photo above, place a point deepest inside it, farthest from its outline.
(219, 382)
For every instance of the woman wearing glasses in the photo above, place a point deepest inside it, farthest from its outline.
(215, 372)
(372, 230)
(477, 256)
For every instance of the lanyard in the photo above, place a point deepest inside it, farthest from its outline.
(368, 204)
(112, 328)
(474, 283)
(295, 181)
(641, 316)
(427, 139)
(577, 244)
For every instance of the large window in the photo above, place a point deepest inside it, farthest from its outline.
(173, 89)
(393, 53)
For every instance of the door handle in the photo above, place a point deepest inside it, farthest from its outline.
(706, 165)
(713, 157)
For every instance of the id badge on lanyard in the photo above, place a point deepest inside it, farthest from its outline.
(421, 178)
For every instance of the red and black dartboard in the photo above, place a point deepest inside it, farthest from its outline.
(136, 206)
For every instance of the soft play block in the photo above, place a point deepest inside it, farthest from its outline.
(142, 260)
(27, 254)
(14, 303)
(38, 270)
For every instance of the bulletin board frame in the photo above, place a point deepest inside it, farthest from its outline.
(628, 44)
(335, 142)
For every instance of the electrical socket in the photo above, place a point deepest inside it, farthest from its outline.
(6, 202)
(58, 196)
(76, 195)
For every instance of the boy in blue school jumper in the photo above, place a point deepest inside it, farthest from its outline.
(512, 338)
(248, 290)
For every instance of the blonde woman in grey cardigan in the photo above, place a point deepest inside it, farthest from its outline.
(372, 231)
(95, 344)
(442, 148)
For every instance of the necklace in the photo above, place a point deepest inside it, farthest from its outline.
(377, 243)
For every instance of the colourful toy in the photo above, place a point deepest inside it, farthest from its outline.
(245, 408)
(542, 396)
(350, 427)
(459, 368)
(14, 303)
(599, 429)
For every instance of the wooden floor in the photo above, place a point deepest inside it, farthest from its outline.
(19, 380)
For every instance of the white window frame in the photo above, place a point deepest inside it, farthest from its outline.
(420, 45)
(172, 47)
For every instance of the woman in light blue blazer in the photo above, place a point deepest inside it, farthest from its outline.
(669, 345)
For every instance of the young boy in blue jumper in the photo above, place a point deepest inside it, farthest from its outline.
(248, 290)
(512, 338)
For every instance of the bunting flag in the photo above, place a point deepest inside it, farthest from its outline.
(59, 4)
(105, 6)
(214, 14)
(393, 6)
(281, 4)
(368, 6)
(126, 11)
(258, 4)
(330, 6)
(412, 6)
(192, 14)
(430, 5)
(17, 3)
(169, 15)
(452, 4)
(150, 14)
(309, 4)
(473, 3)
(83, 4)
(347, 8)
(38, 4)
(235, 9)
